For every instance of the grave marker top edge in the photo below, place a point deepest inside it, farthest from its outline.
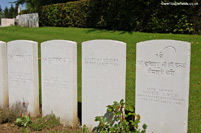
(164, 40)
(26, 41)
(61, 41)
(103, 40)
(2, 42)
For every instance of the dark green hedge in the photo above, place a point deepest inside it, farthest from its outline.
(129, 15)
(71, 14)
(146, 16)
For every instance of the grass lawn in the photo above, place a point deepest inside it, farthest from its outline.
(131, 38)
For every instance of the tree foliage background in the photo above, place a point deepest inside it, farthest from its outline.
(10, 12)
(127, 15)
(36, 4)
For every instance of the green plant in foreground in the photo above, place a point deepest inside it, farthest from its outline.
(119, 121)
(24, 120)
(9, 114)
(49, 121)
(85, 129)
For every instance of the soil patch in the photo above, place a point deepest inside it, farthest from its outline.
(12, 128)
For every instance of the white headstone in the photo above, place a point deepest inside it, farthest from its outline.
(59, 80)
(3, 76)
(7, 21)
(162, 85)
(23, 74)
(103, 77)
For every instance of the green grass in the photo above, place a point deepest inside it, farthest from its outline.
(131, 38)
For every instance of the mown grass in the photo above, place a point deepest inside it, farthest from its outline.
(131, 38)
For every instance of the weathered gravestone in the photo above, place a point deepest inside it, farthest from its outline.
(28, 20)
(162, 85)
(103, 77)
(3, 76)
(23, 74)
(59, 80)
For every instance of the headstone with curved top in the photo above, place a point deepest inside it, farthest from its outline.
(23, 80)
(59, 80)
(162, 85)
(103, 78)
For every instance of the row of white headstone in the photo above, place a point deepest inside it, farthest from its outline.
(162, 80)
(28, 20)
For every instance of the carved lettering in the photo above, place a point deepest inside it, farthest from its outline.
(56, 60)
(56, 83)
(20, 57)
(161, 67)
(166, 96)
(102, 61)
(19, 77)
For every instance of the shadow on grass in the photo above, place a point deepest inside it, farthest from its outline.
(92, 30)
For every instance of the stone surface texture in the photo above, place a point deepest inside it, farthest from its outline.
(23, 80)
(162, 85)
(103, 77)
(59, 80)
(28, 20)
(7, 22)
(3, 76)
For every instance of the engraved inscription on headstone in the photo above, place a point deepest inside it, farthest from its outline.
(3, 76)
(59, 80)
(23, 82)
(162, 85)
(103, 77)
